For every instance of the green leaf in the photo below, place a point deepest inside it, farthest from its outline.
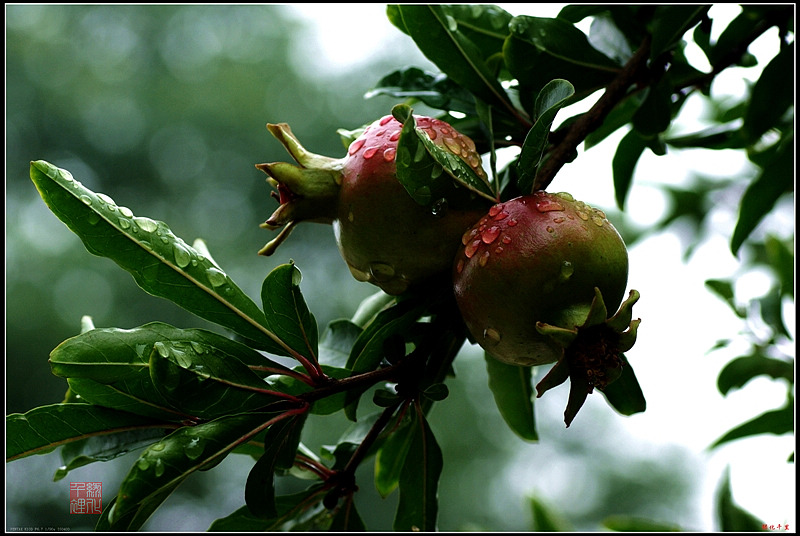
(545, 519)
(280, 448)
(418, 507)
(777, 422)
(730, 516)
(161, 263)
(391, 457)
(670, 23)
(133, 395)
(542, 49)
(775, 179)
(485, 25)
(724, 136)
(45, 428)
(624, 394)
(205, 382)
(622, 523)
(337, 342)
(623, 165)
(655, 113)
(427, 171)
(724, 289)
(743, 369)
(434, 90)
(288, 316)
(620, 115)
(553, 96)
(286, 506)
(513, 394)
(437, 34)
(166, 464)
(771, 95)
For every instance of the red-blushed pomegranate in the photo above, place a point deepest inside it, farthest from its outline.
(384, 236)
(534, 279)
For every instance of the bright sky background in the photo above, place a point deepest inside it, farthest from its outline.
(681, 321)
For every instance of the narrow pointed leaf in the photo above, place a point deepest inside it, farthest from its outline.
(391, 457)
(670, 23)
(287, 314)
(626, 157)
(166, 464)
(45, 428)
(513, 394)
(777, 422)
(161, 263)
(553, 96)
(427, 171)
(417, 509)
(133, 395)
(743, 369)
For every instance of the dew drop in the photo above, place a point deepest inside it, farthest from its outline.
(93, 218)
(460, 265)
(143, 464)
(381, 271)
(491, 336)
(490, 234)
(469, 235)
(484, 258)
(182, 256)
(506, 239)
(503, 215)
(565, 196)
(559, 220)
(388, 154)
(437, 171)
(566, 270)
(453, 145)
(370, 152)
(512, 222)
(86, 200)
(159, 467)
(146, 224)
(498, 250)
(550, 229)
(104, 198)
(385, 120)
(193, 448)
(125, 211)
(439, 208)
(431, 133)
(495, 210)
(356, 146)
(216, 276)
(157, 447)
(470, 250)
(395, 136)
(582, 215)
(597, 220)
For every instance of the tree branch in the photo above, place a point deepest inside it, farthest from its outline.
(591, 120)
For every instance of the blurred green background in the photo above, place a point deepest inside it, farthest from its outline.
(164, 108)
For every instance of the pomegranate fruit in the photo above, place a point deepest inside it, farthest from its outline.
(534, 279)
(383, 234)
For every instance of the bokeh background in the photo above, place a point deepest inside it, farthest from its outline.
(164, 109)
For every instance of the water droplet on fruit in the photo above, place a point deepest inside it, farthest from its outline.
(395, 136)
(381, 272)
(216, 277)
(389, 154)
(431, 132)
(460, 265)
(548, 205)
(566, 270)
(439, 208)
(512, 222)
(470, 250)
(469, 235)
(484, 258)
(495, 210)
(506, 239)
(598, 220)
(559, 220)
(355, 146)
(498, 249)
(491, 335)
(146, 224)
(385, 120)
(550, 229)
(369, 153)
(582, 215)
(503, 215)
(350, 216)
(490, 234)
(565, 196)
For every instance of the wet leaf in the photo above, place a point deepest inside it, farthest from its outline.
(286, 506)
(434, 90)
(743, 369)
(45, 428)
(391, 457)
(161, 263)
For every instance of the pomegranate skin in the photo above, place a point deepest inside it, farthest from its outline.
(383, 235)
(536, 258)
